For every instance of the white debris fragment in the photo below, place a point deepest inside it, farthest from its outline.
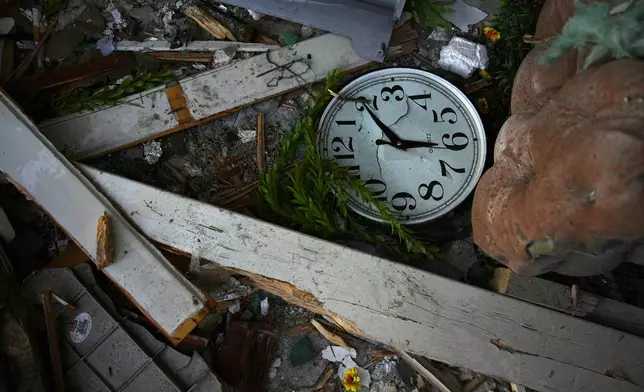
(345, 357)
(169, 29)
(123, 79)
(223, 56)
(264, 306)
(152, 151)
(383, 368)
(306, 32)
(463, 15)
(26, 45)
(234, 308)
(246, 136)
(337, 353)
(255, 15)
(106, 44)
(272, 372)
(199, 67)
(463, 57)
(439, 34)
(116, 15)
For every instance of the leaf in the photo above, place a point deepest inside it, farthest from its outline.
(428, 13)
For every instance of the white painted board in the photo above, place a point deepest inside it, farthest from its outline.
(74, 203)
(393, 303)
(148, 115)
(194, 46)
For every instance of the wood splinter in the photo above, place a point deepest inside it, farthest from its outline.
(104, 250)
(209, 23)
(261, 148)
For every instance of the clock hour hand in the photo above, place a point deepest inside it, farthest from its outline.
(393, 138)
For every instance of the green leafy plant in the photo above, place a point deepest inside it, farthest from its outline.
(429, 13)
(52, 7)
(313, 193)
(607, 29)
(94, 99)
(514, 19)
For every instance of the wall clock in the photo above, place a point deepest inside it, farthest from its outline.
(416, 140)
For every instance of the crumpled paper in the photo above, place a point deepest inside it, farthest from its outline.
(152, 151)
(463, 57)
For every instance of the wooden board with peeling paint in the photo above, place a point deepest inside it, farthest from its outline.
(392, 303)
(148, 115)
(138, 268)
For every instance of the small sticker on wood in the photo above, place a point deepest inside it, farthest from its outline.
(81, 327)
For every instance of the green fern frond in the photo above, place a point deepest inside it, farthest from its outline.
(94, 99)
(313, 194)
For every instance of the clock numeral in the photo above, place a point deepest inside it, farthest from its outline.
(346, 122)
(424, 97)
(458, 136)
(354, 171)
(429, 191)
(387, 93)
(377, 190)
(410, 201)
(373, 104)
(444, 171)
(338, 140)
(443, 113)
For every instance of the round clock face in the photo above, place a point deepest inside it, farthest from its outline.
(414, 138)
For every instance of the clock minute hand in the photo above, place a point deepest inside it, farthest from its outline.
(409, 144)
(395, 140)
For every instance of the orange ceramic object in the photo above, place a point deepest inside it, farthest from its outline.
(566, 192)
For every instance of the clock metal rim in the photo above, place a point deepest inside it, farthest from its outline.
(459, 96)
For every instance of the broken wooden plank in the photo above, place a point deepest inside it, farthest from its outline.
(208, 95)
(54, 344)
(140, 270)
(194, 46)
(398, 305)
(604, 311)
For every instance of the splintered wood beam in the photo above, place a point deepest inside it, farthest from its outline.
(406, 308)
(161, 292)
(208, 95)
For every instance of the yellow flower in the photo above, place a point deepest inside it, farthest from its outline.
(484, 108)
(484, 74)
(351, 380)
(491, 34)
